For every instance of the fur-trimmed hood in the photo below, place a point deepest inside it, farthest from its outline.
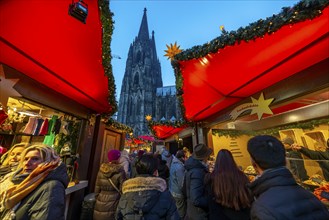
(142, 193)
(144, 183)
(109, 169)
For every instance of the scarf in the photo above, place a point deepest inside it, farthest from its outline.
(16, 193)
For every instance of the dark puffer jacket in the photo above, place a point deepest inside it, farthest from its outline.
(108, 197)
(146, 197)
(278, 196)
(197, 201)
(47, 201)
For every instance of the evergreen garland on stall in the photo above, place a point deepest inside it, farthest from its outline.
(118, 126)
(108, 27)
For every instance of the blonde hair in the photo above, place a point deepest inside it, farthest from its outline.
(7, 154)
(47, 153)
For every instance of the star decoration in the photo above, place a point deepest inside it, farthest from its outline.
(148, 117)
(173, 49)
(221, 27)
(7, 89)
(262, 106)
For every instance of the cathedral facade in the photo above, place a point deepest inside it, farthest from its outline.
(142, 91)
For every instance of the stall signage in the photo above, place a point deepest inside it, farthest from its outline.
(258, 106)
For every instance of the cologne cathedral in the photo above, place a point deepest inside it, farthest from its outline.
(142, 91)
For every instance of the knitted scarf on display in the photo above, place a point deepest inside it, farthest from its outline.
(18, 192)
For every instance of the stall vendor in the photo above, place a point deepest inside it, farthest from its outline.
(321, 155)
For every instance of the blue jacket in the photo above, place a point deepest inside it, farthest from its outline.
(176, 179)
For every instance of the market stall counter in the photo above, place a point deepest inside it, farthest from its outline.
(71, 189)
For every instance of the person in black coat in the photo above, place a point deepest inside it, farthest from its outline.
(322, 155)
(196, 169)
(146, 196)
(229, 195)
(163, 169)
(277, 195)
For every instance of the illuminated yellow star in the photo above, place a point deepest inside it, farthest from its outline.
(173, 49)
(262, 106)
(148, 117)
(7, 89)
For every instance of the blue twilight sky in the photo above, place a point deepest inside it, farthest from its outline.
(187, 22)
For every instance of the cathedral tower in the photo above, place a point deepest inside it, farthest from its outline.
(141, 79)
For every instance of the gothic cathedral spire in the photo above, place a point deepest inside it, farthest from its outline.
(143, 33)
(141, 79)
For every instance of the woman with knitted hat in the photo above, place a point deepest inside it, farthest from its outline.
(109, 181)
(39, 186)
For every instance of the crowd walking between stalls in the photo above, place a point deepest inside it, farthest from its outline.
(145, 185)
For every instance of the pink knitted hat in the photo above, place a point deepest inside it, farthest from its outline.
(113, 155)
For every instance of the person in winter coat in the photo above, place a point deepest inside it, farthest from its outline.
(125, 162)
(229, 196)
(322, 154)
(176, 181)
(146, 196)
(39, 187)
(163, 169)
(166, 155)
(133, 162)
(277, 195)
(196, 169)
(109, 181)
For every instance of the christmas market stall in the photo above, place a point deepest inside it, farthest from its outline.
(270, 77)
(57, 85)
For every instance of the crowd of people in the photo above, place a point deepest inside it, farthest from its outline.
(163, 186)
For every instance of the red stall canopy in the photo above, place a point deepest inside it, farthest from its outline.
(41, 40)
(165, 131)
(220, 79)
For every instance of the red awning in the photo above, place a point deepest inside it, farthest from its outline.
(165, 131)
(41, 40)
(218, 80)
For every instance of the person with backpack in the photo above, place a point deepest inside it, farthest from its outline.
(146, 196)
(109, 181)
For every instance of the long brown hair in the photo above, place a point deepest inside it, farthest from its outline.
(229, 183)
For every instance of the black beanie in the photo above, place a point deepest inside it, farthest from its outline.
(267, 151)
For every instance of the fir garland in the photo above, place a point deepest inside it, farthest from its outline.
(118, 126)
(107, 26)
(305, 9)
(308, 125)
